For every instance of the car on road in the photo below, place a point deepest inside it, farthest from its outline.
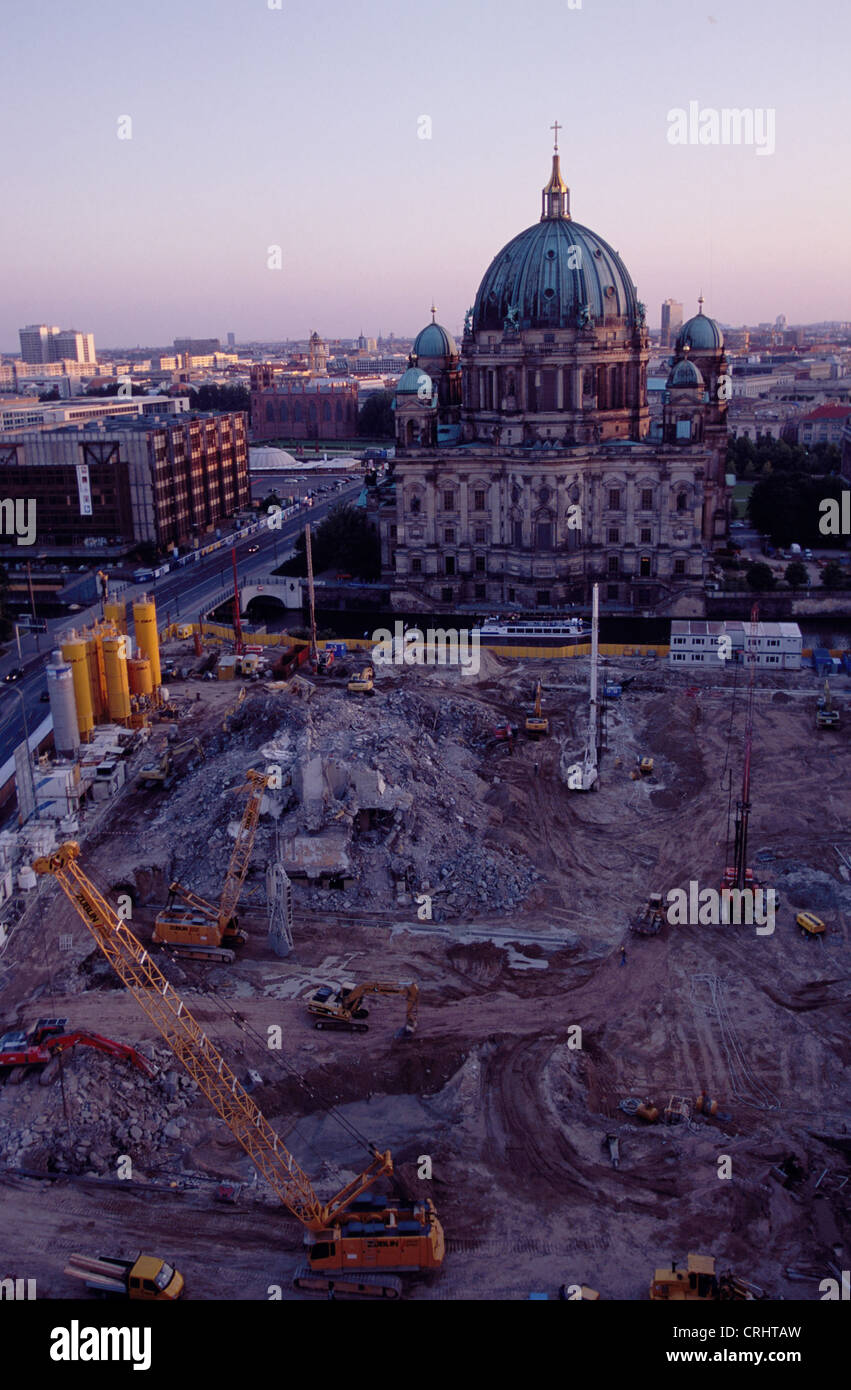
(44, 697)
(16, 674)
(252, 549)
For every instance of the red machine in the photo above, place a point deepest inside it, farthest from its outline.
(50, 1036)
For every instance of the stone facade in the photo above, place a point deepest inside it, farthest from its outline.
(286, 406)
(545, 479)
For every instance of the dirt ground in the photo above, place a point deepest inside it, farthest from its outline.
(494, 1087)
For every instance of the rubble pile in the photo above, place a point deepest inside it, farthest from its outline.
(113, 1112)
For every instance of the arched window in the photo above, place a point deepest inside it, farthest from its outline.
(270, 411)
(285, 414)
(682, 502)
(326, 410)
(297, 412)
(338, 413)
(311, 412)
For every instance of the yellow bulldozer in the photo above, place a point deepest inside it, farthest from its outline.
(698, 1282)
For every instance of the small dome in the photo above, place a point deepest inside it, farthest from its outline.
(700, 333)
(409, 381)
(686, 373)
(266, 459)
(434, 341)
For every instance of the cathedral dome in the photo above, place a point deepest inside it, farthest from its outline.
(555, 274)
(551, 273)
(701, 333)
(434, 341)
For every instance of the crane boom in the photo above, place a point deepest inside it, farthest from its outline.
(241, 854)
(193, 1049)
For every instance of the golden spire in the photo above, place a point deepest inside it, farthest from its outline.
(555, 199)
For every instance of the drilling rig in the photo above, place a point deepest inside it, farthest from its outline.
(737, 874)
(349, 1252)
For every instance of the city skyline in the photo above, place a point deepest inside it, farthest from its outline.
(144, 231)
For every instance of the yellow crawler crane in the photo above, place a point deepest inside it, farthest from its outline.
(348, 1251)
(191, 925)
(343, 1009)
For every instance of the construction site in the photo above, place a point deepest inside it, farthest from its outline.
(361, 982)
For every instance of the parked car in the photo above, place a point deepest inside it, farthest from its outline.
(808, 554)
(44, 697)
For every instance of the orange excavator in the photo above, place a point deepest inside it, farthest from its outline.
(355, 1241)
(189, 924)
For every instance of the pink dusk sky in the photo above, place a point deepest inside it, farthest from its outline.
(299, 127)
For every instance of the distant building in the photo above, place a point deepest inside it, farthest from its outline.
(824, 425)
(695, 642)
(23, 414)
(231, 340)
(291, 406)
(155, 478)
(197, 347)
(41, 343)
(672, 322)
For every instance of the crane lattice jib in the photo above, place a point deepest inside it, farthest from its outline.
(193, 1049)
(241, 855)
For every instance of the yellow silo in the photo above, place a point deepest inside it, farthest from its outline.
(117, 686)
(147, 639)
(139, 675)
(97, 675)
(75, 652)
(115, 612)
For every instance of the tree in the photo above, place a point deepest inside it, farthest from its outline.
(211, 396)
(796, 575)
(51, 395)
(344, 541)
(832, 576)
(760, 577)
(376, 419)
(785, 506)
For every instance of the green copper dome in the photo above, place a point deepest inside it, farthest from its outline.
(685, 373)
(409, 382)
(434, 341)
(700, 333)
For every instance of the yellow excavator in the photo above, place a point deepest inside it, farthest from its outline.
(537, 724)
(189, 924)
(354, 1240)
(827, 715)
(363, 683)
(343, 1009)
(698, 1282)
(162, 773)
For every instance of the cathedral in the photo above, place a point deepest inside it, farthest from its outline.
(526, 465)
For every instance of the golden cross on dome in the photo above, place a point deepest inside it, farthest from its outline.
(556, 127)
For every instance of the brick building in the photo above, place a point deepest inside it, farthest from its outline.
(157, 479)
(289, 406)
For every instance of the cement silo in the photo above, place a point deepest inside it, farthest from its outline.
(117, 685)
(63, 708)
(97, 674)
(75, 652)
(115, 612)
(147, 639)
(139, 675)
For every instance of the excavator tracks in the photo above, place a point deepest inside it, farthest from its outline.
(332, 1285)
